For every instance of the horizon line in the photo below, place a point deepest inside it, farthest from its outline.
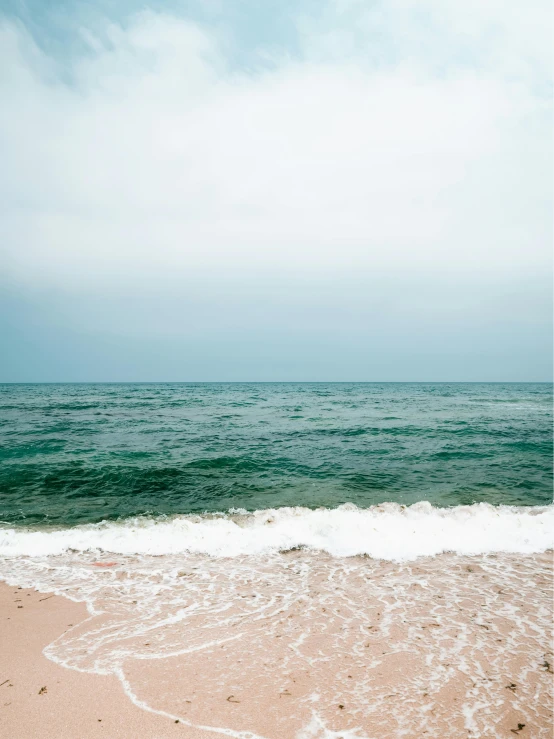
(277, 382)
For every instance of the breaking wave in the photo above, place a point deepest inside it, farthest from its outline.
(388, 531)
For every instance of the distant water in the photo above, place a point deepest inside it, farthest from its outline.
(82, 453)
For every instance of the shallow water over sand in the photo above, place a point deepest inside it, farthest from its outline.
(302, 644)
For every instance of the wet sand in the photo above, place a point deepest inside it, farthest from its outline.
(296, 646)
(43, 700)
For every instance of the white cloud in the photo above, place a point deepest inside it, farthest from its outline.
(499, 38)
(159, 159)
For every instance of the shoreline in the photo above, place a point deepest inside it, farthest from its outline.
(73, 704)
(300, 646)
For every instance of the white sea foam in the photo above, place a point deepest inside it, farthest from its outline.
(388, 531)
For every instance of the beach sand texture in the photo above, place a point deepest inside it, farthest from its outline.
(297, 645)
(40, 699)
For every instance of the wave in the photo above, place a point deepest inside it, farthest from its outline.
(388, 531)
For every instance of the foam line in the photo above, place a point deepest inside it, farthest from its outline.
(388, 531)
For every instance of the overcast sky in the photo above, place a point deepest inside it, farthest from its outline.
(245, 190)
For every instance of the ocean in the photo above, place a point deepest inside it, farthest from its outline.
(77, 454)
(363, 559)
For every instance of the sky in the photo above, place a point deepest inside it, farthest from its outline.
(276, 191)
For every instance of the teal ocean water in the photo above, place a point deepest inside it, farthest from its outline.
(82, 453)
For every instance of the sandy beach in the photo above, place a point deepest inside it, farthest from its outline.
(41, 699)
(301, 645)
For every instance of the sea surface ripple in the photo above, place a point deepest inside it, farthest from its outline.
(73, 454)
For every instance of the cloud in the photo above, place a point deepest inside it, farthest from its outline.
(151, 156)
(496, 38)
(366, 196)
